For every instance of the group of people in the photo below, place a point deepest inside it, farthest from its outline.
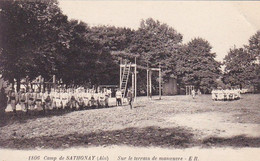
(57, 99)
(225, 95)
(129, 96)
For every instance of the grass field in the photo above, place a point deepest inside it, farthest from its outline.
(174, 121)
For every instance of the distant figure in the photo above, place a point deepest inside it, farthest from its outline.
(106, 100)
(31, 99)
(130, 97)
(22, 99)
(48, 102)
(38, 100)
(109, 92)
(199, 92)
(193, 93)
(118, 97)
(12, 100)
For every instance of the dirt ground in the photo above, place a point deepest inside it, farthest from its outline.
(173, 122)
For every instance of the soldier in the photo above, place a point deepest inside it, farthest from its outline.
(47, 102)
(221, 95)
(193, 93)
(101, 99)
(130, 97)
(106, 100)
(31, 100)
(12, 99)
(58, 104)
(118, 97)
(92, 101)
(52, 96)
(199, 92)
(23, 101)
(73, 102)
(64, 99)
(80, 96)
(86, 96)
(38, 100)
(213, 95)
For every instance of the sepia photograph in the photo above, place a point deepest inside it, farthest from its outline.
(129, 80)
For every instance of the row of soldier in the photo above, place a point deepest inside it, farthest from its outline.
(67, 99)
(226, 95)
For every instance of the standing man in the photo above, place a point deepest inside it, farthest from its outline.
(12, 100)
(31, 100)
(22, 99)
(118, 97)
(193, 93)
(38, 100)
(79, 97)
(106, 100)
(130, 97)
(58, 100)
(64, 98)
(47, 100)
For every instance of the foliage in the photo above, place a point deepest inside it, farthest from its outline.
(241, 65)
(197, 65)
(32, 39)
(37, 39)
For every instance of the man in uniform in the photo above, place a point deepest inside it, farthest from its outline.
(58, 103)
(73, 102)
(86, 97)
(31, 100)
(52, 96)
(106, 100)
(22, 99)
(12, 99)
(118, 97)
(38, 100)
(193, 93)
(47, 102)
(101, 99)
(130, 97)
(64, 99)
(80, 96)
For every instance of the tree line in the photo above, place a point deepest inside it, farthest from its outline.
(36, 38)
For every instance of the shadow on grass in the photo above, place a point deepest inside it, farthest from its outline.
(152, 136)
(140, 137)
(236, 141)
(9, 118)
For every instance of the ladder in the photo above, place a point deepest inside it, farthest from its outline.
(124, 79)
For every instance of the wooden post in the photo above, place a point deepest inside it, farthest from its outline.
(150, 82)
(120, 79)
(135, 80)
(54, 82)
(160, 83)
(147, 85)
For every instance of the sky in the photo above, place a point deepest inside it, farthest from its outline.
(223, 24)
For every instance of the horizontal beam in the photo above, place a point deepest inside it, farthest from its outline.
(157, 69)
(132, 65)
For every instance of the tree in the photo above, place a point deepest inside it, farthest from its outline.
(240, 68)
(196, 65)
(32, 39)
(154, 43)
(254, 45)
(109, 39)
